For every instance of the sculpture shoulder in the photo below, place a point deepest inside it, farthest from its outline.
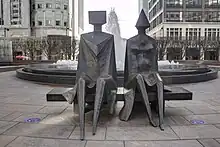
(90, 34)
(146, 37)
(137, 40)
(151, 40)
(134, 38)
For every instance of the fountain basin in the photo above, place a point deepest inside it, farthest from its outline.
(65, 75)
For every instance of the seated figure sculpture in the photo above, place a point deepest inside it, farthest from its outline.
(141, 71)
(96, 71)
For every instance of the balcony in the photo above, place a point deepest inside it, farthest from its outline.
(174, 6)
(193, 6)
(173, 20)
(212, 6)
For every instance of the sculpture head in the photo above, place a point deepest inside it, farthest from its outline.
(97, 19)
(142, 23)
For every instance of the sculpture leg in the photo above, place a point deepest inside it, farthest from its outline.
(100, 87)
(81, 103)
(161, 103)
(125, 113)
(142, 87)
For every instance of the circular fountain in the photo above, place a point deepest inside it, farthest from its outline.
(64, 73)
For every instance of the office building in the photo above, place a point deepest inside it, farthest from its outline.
(143, 4)
(23, 18)
(188, 19)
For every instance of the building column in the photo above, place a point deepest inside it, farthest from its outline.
(218, 55)
(183, 53)
(202, 54)
(165, 55)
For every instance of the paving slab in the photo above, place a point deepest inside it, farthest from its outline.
(218, 140)
(59, 119)
(179, 120)
(4, 140)
(105, 144)
(40, 142)
(177, 143)
(197, 131)
(20, 108)
(100, 134)
(40, 130)
(186, 103)
(175, 111)
(212, 102)
(12, 116)
(139, 133)
(207, 118)
(209, 143)
(24, 117)
(218, 126)
(5, 125)
(4, 113)
(201, 109)
(52, 110)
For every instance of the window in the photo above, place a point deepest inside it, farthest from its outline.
(65, 24)
(211, 33)
(174, 33)
(33, 23)
(15, 6)
(173, 16)
(193, 3)
(212, 3)
(65, 7)
(57, 5)
(48, 5)
(1, 21)
(48, 22)
(15, 17)
(33, 6)
(193, 33)
(15, 11)
(40, 23)
(57, 23)
(191, 16)
(174, 3)
(212, 16)
(15, 22)
(39, 6)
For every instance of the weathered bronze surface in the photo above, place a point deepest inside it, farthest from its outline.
(141, 71)
(96, 71)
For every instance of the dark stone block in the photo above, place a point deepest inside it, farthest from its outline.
(174, 93)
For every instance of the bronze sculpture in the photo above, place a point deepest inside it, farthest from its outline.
(96, 71)
(141, 71)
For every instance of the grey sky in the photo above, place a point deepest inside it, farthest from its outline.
(127, 11)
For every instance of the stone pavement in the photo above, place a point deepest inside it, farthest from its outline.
(20, 100)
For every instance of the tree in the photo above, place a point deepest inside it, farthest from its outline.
(30, 46)
(162, 45)
(52, 46)
(74, 47)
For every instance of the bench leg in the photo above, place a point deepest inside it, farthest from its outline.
(112, 101)
(128, 105)
(81, 103)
